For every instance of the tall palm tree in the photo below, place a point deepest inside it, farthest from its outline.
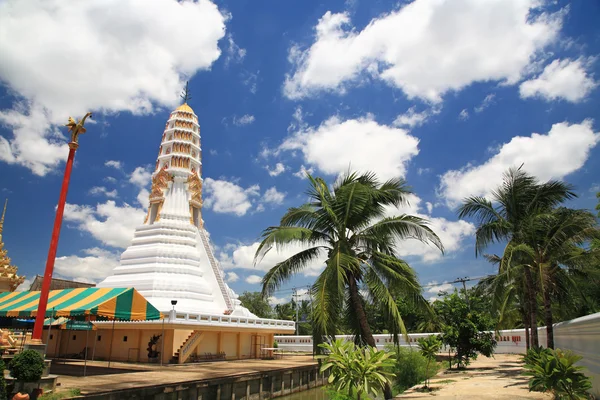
(504, 218)
(348, 224)
(553, 241)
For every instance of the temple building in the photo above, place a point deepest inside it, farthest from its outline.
(170, 262)
(9, 280)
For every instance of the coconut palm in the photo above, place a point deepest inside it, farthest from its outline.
(504, 218)
(347, 225)
(554, 241)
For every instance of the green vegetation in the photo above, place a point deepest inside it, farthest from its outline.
(546, 246)
(257, 304)
(410, 368)
(60, 395)
(555, 371)
(348, 224)
(27, 366)
(3, 393)
(429, 347)
(464, 325)
(357, 371)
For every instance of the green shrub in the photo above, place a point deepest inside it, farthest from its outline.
(429, 347)
(333, 394)
(534, 354)
(275, 345)
(410, 368)
(356, 370)
(27, 366)
(60, 395)
(2, 380)
(554, 370)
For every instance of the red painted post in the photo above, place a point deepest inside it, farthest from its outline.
(41, 311)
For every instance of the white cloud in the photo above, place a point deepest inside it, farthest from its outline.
(423, 47)
(451, 233)
(554, 155)
(234, 52)
(487, 101)
(140, 176)
(273, 301)
(24, 286)
(231, 277)
(227, 197)
(367, 146)
(278, 170)
(273, 196)
(429, 207)
(114, 164)
(143, 198)
(136, 53)
(110, 179)
(411, 118)
(35, 144)
(101, 190)
(435, 288)
(253, 279)
(301, 173)
(242, 256)
(110, 224)
(246, 119)
(96, 265)
(464, 115)
(566, 79)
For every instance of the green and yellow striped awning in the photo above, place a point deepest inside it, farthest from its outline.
(111, 303)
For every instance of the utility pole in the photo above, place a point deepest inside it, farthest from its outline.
(295, 296)
(463, 280)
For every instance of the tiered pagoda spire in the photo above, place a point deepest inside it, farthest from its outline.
(170, 257)
(9, 280)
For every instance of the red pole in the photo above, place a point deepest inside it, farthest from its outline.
(41, 311)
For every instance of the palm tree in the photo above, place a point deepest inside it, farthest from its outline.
(552, 241)
(348, 224)
(504, 218)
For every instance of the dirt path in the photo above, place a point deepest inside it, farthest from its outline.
(486, 378)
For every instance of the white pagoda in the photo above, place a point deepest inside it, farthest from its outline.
(170, 257)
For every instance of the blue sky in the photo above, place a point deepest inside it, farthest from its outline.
(446, 94)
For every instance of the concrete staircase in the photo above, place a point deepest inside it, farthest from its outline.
(187, 348)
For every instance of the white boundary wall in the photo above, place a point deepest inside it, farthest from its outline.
(581, 335)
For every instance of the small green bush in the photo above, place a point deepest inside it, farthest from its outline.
(410, 368)
(429, 347)
(555, 371)
(60, 395)
(275, 345)
(27, 366)
(2, 380)
(333, 394)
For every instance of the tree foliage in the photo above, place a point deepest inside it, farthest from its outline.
(465, 327)
(27, 366)
(348, 224)
(256, 303)
(358, 371)
(429, 347)
(555, 371)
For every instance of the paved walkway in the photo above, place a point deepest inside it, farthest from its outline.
(497, 378)
(127, 376)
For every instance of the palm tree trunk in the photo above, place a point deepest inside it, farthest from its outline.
(361, 316)
(365, 329)
(526, 323)
(532, 307)
(548, 318)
